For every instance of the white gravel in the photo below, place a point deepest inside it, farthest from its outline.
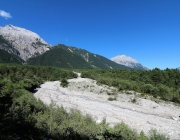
(88, 97)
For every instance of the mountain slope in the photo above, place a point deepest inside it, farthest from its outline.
(24, 43)
(58, 57)
(6, 57)
(5, 45)
(128, 61)
(71, 57)
(7, 53)
(95, 60)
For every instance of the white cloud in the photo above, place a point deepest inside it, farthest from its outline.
(5, 14)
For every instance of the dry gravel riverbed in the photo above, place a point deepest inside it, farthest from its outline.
(88, 97)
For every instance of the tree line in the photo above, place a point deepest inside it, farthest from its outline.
(164, 84)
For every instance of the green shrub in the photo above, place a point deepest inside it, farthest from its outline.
(142, 136)
(125, 132)
(147, 88)
(164, 92)
(112, 98)
(154, 91)
(176, 96)
(111, 93)
(154, 135)
(64, 83)
(115, 83)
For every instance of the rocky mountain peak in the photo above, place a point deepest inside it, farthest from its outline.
(26, 43)
(127, 61)
(17, 31)
(124, 59)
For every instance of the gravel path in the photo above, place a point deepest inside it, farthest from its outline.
(88, 97)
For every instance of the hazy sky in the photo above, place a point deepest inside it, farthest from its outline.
(146, 30)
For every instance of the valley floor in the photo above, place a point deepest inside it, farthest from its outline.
(139, 113)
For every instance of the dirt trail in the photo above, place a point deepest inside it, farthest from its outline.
(85, 95)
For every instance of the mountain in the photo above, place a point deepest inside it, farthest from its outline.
(71, 57)
(6, 57)
(19, 45)
(22, 42)
(128, 61)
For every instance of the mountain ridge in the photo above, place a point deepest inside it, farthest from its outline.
(72, 57)
(33, 50)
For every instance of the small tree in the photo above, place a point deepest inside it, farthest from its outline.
(64, 83)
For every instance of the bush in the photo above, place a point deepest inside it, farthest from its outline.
(64, 83)
(155, 91)
(125, 132)
(125, 85)
(176, 97)
(115, 83)
(164, 92)
(112, 99)
(154, 135)
(147, 88)
(111, 93)
(143, 136)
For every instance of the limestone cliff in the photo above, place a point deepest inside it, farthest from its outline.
(24, 43)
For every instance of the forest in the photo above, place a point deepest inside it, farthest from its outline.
(163, 84)
(23, 117)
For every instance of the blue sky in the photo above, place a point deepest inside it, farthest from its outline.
(146, 30)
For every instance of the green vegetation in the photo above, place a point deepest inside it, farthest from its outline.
(64, 83)
(70, 57)
(22, 116)
(164, 84)
(58, 57)
(96, 60)
(154, 135)
(6, 57)
(112, 98)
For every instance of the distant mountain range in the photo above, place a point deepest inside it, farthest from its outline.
(128, 61)
(19, 45)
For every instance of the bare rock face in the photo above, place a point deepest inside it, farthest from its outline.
(26, 43)
(128, 61)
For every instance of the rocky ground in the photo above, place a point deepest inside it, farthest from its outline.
(140, 113)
